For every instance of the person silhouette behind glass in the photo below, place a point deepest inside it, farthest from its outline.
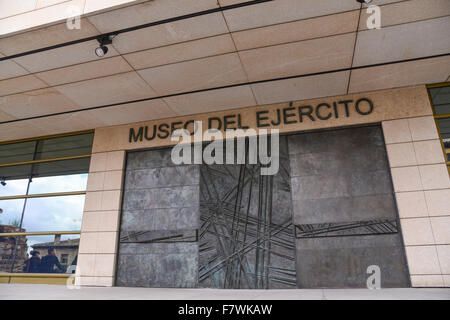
(49, 262)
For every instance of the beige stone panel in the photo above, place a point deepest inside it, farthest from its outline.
(75, 121)
(301, 88)
(434, 176)
(98, 242)
(426, 281)
(388, 105)
(36, 102)
(111, 89)
(35, 18)
(10, 8)
(98, 5)
(95, 281)
(417, 231)
(147, 12)
(422, 260)
(396, 131)
(209, 101)
(224, 3)
(406, 41)
(408, 11)
(196, 74)
(111, 200)
(10, 69)
(299, 58)
(45, 37)
(98, 161)
(20, 84)
(133, 112)
(438, 202)
(45, 3)
(6, 117)
(171, 33)
(281, 11)
(88, 243)
(181, 52)
(441, 229)
(429, 152)
(423, 128)
(406, 179)
(93, 201)
(401, 155)
(113, 180)
(105, 265)
(105, 221)
(18, 130)
(296, 31)
(115, 160)
(400, 74)
(446, 280)
(86, 264)
(106, 242)
(62, 57)
(444, 258)
(85, 71)
(411, 204)
(95, 181)
(381, 2)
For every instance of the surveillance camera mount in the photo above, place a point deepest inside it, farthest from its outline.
(105, 39)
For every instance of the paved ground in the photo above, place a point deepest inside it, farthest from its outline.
(26, 291)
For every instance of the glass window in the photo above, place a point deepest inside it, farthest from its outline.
(53, 213)
(10, 215)
(55, 166)
(14, 187)
(440, 97)
(18, 251)
(16, 152)
(65, 183)
(64, 146)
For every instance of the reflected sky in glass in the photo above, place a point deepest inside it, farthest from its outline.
(45, 214)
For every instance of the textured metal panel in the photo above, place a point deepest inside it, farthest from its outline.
(344, 210)
(246, 235)
(160, 221)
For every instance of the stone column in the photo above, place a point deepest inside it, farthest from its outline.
(100, 228)
(422, 190)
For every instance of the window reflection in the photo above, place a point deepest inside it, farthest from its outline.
(67, 183)
(16, 152)
(10, 214)
(39, 254)
(54, 213)
(14, 187)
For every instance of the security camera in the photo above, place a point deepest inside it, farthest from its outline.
(104, 40)
(364, 1)
(101, 51)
